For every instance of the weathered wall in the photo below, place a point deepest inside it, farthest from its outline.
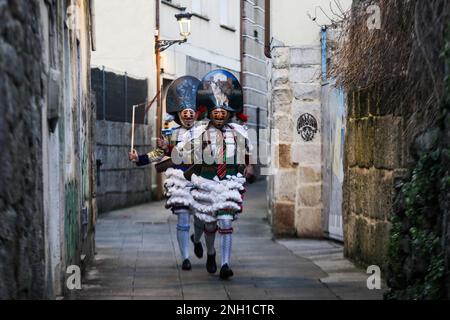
(76, 131)
(333, 126)
(21, 208)
(119, 182)
(46, 199)
(383, 147)
(296, 186)
(396, 177)
(375, 155)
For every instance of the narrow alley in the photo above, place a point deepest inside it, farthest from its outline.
(137, 258)
(335, 114)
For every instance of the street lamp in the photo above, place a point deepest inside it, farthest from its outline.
(184, 21)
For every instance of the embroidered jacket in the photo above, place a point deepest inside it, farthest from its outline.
(205, 142)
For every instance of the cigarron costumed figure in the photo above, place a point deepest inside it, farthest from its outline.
(221, 151)
(181, 104)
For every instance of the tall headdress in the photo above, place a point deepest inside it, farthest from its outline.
(220, 89)
(181, 95)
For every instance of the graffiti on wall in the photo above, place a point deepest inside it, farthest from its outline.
(71, 222)
(307, 127)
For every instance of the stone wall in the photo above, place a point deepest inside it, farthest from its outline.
(375, 156)
(21, 207)
(119, 182)
(296, 185)
(47, 207)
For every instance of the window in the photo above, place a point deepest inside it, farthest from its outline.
(197, 6)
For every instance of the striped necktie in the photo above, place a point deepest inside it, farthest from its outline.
(221, 164)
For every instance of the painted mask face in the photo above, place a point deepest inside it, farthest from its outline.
(187, 118)
(219, 117)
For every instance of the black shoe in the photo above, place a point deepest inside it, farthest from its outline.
(198, 248)
(186, 265)
(225, 272)
(211, 265)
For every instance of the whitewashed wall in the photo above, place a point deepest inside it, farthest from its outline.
(291, 25)
(215, 35)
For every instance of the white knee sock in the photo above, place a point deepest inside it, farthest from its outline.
(225, 230)
(183, 232)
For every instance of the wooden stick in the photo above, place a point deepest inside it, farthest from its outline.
(147, 107)
(152, 102)
(132, 128)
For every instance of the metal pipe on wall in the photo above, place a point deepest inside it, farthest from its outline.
(159, 190)
(267, 32)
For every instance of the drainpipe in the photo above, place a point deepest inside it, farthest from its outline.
(267, 32)
(93, 30)
(159, 189)
(324, 54)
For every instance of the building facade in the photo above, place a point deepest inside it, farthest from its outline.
(254, 73)
(47, 202)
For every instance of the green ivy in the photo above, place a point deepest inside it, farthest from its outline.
(416, 262)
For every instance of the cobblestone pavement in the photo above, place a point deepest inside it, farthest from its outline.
(138, 258)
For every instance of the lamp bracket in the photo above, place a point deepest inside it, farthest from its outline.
(161, 45)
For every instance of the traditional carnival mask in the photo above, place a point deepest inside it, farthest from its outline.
(187, 118)
(219, 117)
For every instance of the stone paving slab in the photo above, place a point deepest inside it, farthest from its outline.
(342, 277)
(138, 258)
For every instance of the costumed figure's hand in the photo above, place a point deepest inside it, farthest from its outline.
(162, 144)
(249, 173)
(133, 156)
